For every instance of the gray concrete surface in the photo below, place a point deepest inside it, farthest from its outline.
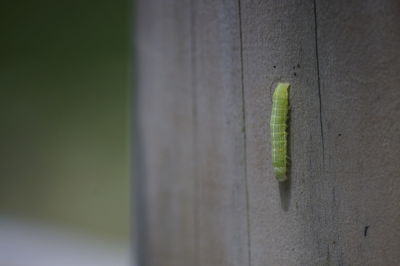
(206, 72)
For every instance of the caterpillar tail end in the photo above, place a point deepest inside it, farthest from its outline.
(280, 174)
(281, 178)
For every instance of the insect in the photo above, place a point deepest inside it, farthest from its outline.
(278, 124)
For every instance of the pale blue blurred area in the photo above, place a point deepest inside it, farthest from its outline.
(37, 244)
(64, 113)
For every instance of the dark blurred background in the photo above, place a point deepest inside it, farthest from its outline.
(64, 112)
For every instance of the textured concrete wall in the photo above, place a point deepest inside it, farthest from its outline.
(205, 74)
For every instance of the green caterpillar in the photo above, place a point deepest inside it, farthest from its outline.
(278, 124)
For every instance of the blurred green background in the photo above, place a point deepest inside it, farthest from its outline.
(64, 113)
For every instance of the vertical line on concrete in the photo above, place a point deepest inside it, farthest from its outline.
(244, 135)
